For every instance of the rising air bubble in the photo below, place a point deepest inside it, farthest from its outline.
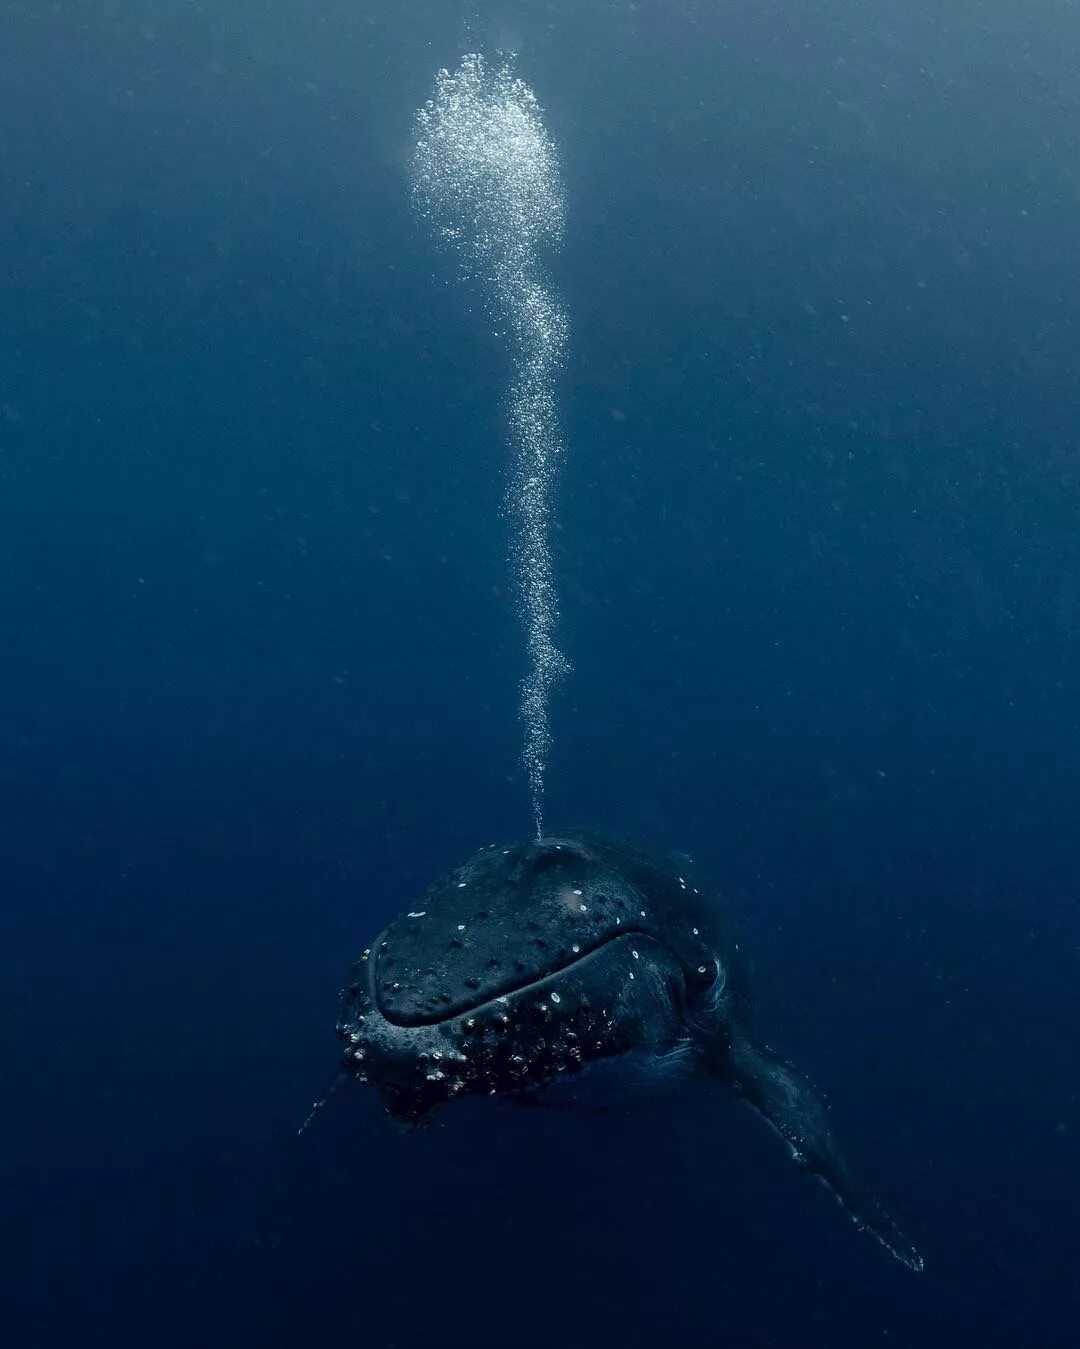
(486, 177)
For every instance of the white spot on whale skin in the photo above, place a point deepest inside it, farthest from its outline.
(419, 913)
(462, 884)
(461, 927)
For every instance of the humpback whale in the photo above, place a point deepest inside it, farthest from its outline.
(549, 970)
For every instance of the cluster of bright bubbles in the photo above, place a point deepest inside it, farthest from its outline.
(486, 176)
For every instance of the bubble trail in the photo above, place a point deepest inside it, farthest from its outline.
(486, 177)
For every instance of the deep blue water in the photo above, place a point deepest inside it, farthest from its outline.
(819, 560)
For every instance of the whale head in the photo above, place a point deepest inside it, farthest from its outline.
(520, 968)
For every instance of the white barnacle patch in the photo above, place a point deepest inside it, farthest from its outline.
(555, 998)
(571, 899)
(631, 974)
(584, 908)
(461, 927)
(681, 882)
(417, 913)
(462, 884)
(642, 912)
(575, 948)
(695, 932)
(436, 1076)
(635, 955)
(702, 968)
(365, 954)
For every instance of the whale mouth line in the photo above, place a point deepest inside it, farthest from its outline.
(491, 1001)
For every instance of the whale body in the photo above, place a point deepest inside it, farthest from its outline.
(547, 970)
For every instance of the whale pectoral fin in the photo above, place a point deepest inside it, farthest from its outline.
(790, 1105)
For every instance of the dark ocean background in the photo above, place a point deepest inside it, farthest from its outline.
(818, 551)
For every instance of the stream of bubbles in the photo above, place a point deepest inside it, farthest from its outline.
(486, 177)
